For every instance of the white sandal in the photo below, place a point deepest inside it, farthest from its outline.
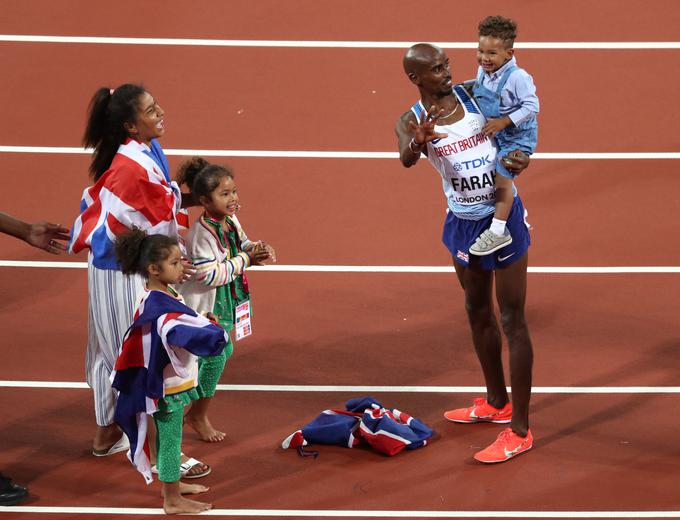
(123, 444)
(185, 468)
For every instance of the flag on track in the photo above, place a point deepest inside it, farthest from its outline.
(162, 329)
(387, 431)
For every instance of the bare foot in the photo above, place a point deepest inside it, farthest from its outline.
(192, 489)
(206, 432)
(188, 489)
(175, 505)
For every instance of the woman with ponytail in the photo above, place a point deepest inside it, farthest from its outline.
(132, 189)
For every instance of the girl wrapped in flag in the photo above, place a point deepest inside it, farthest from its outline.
(157, 370)
(220, 250)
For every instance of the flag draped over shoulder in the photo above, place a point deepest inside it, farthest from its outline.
(161, 326)
(388, 431)
(135, 191)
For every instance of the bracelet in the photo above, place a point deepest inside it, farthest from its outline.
(419, 145)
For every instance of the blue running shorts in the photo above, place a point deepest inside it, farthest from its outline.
(459, 234)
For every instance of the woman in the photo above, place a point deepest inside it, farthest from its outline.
(132, 188)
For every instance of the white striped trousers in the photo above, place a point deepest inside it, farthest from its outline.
(113, 298)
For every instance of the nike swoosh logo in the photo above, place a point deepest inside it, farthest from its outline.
(514, 451)
(473, 415)
(503, 258)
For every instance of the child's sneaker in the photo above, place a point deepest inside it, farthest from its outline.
(488, 242)
(481, 411)
(506, 446)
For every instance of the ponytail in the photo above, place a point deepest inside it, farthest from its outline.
(201, 177)
(189, 169)
(108, 112)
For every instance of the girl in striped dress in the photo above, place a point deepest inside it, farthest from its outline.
(220, 252)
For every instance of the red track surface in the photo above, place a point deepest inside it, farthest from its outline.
(324, 99)
(593, 452)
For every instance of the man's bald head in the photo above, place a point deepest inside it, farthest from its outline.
(419, 55)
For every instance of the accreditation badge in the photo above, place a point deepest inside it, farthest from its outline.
(242, 321)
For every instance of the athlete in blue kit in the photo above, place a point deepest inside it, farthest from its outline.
(447, 126)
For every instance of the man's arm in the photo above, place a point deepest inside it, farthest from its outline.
(409, 152)
(43, 235)
(414, 135)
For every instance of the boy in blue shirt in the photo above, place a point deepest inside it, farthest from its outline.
(507, 96)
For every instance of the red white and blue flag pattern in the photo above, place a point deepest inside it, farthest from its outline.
(135, 191)
(163, 331)
(387, 431)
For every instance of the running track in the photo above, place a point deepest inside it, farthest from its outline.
(606, 450)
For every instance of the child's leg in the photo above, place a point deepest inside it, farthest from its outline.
(196, 471)
(497, 236)
(209, 373)
(504, 199)
(504, 192)
(168, 460)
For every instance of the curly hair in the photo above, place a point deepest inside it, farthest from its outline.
(201, 177)
(136, 250)
(499, 27)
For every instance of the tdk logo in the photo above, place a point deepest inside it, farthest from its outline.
(471, 165)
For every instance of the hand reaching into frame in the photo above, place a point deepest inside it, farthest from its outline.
(48, 237)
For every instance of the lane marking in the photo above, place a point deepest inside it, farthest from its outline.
(324, 44)
(645, 269)
(351, 513)
(383, 389)
(320, 154)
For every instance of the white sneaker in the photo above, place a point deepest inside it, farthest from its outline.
(488, 242)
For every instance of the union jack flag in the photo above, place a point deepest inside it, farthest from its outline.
(161, 344)
(386, 431)
(135, 191)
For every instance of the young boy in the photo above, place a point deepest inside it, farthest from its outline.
(507, 96)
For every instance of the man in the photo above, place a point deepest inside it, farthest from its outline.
(447, 126)
(42, 235)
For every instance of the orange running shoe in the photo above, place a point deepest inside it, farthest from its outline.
(506, 446)
(481, 411)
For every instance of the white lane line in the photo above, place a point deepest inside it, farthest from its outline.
(320, 154)
(325, 44)
(646, 269)
(350, 513)
(382, 389)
